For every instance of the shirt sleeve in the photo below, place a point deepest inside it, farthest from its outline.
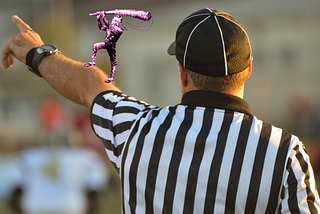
(112, 116)
(299, 193)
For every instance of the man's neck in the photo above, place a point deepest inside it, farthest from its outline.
(237, 93)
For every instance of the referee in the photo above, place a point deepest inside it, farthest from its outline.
(207, 154)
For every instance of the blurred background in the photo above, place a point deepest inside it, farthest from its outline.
(283, 89)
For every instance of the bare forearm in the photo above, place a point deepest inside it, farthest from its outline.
(74, 81)
(68, 77)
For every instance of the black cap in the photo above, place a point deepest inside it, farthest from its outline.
(212, 42)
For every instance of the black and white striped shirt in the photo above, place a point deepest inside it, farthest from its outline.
(208, 154)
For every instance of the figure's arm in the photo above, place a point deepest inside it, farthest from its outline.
(105, 20)
(99, 22)
(68, 77)
(102, 27)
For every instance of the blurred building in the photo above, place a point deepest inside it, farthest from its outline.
(283, 34)
(284, 38)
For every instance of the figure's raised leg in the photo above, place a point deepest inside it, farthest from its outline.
(95, 48)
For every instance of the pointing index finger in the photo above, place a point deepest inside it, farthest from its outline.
(21, 25)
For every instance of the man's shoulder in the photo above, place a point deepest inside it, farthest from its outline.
(118, 103)
(280, 134)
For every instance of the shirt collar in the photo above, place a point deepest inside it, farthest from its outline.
(215, 100)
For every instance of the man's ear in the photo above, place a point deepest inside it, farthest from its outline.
(183, 75)
(249, 69)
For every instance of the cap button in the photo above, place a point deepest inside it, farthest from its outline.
(212, 14)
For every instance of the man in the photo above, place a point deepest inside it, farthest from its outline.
(208, 154)
(59, 178)
(57, 173)
(113, 33)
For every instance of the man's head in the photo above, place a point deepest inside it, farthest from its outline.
(117, 20)
(214, 48)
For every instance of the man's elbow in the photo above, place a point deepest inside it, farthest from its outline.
(85, 99)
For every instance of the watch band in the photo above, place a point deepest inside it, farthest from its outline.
(35, 55)
(30, 62)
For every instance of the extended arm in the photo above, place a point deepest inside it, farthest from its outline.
(105, 20)
(99, 22)
(66, 76)
(74, 81)
(102, 27)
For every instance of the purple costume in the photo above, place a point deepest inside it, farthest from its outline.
(113, 33)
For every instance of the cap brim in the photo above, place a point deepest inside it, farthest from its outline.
(172, 49)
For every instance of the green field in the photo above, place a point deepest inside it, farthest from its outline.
(110, 203)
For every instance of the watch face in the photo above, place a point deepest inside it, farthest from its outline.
(47, 49)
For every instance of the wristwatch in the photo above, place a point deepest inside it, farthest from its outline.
(35, 55)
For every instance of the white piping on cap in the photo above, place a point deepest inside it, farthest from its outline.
(238, 26)
(186, 49)
(195, 15)
(223, 46)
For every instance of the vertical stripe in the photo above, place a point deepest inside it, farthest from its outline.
(155, 159)
(210, 147)
(282, 195)
(247, 165)
(305, 168)
(186, 160)
(293, 200)
(164, 162)
(237, 164)
(216, 163)
(135, 162)
(196, 161)
(226, 163)
(175, 160)
(145, 160)
(257, 169)
(124, 158)
(278, 172)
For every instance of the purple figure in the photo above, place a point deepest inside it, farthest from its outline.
(113, 33)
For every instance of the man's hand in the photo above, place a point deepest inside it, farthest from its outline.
(68, 77)
(19, 45)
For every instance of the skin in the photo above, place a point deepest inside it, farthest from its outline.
(187, 84)
(69, 77)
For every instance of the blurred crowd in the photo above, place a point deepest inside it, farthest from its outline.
(47, 145)
(304, 121)
(63, 167)
(62, 170)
